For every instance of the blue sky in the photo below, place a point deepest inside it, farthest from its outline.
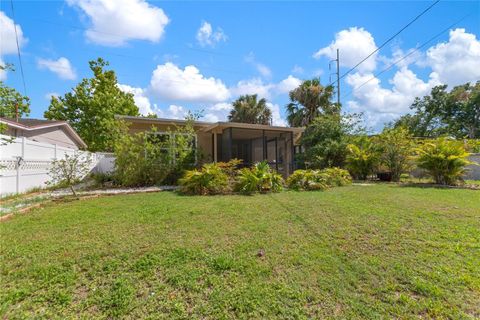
(185, 55)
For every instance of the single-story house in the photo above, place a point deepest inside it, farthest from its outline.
(223, 141)
(47, 131)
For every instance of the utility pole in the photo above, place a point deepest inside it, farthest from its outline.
(338, 78)
(337, 74)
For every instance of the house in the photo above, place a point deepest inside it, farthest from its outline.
(223, 141)
(47, 131)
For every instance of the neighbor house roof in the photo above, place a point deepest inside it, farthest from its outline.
(208, 126)
(38, 124)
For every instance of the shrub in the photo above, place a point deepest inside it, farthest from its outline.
(70, 170)
(396, 148)
(211, 179)
(318, 179)
(362, 158)
(259, 178)
(443, 159)
(308, 180)
(337, 177)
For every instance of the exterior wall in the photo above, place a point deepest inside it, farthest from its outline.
(53, 135)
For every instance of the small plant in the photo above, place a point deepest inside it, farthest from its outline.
(396, 148)
(337, 177)
(443, 159)
(211, 179)
(362, 158)
(307, 180)
(70, 170)
(259, 178)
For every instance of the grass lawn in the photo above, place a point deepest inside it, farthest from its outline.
(379, 251)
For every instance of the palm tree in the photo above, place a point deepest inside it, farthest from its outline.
(247, 109)
(308, 101)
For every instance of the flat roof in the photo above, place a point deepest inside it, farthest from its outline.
(207, 126)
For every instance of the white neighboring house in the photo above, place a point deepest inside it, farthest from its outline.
(28, 148)
(46, 131)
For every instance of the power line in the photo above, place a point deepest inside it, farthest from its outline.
(408, 55)
(18, 50)
(389, 39)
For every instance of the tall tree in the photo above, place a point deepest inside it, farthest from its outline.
(308, 101)
(455, 113)
(92, 105)
(11, 100)
(248, 109)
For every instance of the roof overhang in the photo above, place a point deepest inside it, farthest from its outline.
(62, 124)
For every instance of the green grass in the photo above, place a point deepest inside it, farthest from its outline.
(379, 251)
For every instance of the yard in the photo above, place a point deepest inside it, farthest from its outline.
(372, 251)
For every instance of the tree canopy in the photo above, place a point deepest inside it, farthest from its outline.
(248, 109)
(10, 99)
(308, 101)
(91, 106)
(455, 113)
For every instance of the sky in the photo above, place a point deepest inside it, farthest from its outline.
(176, 56)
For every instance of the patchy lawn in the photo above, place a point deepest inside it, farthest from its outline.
(379, 251)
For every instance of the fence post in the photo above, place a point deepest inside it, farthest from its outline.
(19, 164)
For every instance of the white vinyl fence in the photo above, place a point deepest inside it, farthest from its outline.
(24, 164)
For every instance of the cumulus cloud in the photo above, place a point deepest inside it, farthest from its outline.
(277, 119)
(172, 83)
(8, 43)
(61, 67)
(456, 61)
(141, 99)
(288, 84)
(355, 44)
(253, 86)
(218, 112)
(114, 23)
(207, 37)
(261, 68)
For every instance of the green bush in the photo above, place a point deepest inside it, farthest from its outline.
(259, 178)
(318, 179)
(337, 177)
(443, 159)
(396, 150)
(362, 158)
(307, 180)
(211, 179)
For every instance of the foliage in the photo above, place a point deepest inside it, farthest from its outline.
(443, 159)
(473, 145)
(337, 177)
(211, 179)
(455, 113)
(308, 101)
(325, 140)
(259, 178)
(307, 180)
(92, 105)
(247, 109)
(10, 99)
(396, 148)
(362, 158)
(146, 158)
(318, 179)
(70, 170)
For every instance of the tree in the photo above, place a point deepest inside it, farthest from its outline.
(308, 101)
(70, 170)
(326, 139)
(362, 158)
(455, 113)
(396, 148)
(11, 99)
(247, 109)
(92, 105)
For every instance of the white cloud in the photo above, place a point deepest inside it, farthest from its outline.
(261, 68)
(114, 23)
(141, 100)
(277, 119)
(297, 69)
(207, 37)
(456, 61)
(8, 43)
(218, 112)
(172, 83)
(253, 86)
(61, 67)
(288, 84)
(354, 44)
